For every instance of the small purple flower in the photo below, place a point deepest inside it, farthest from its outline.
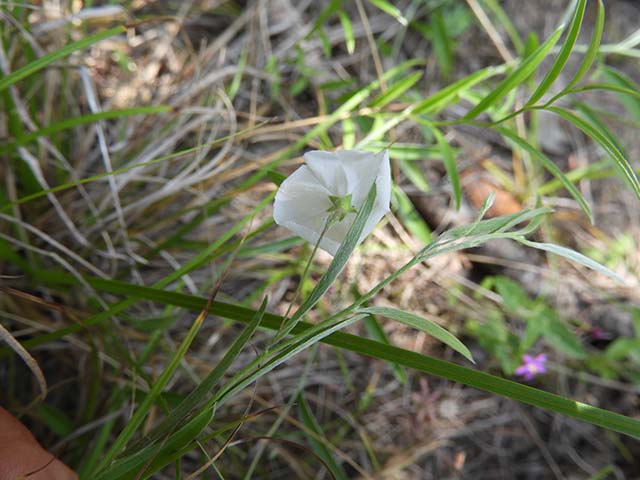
(531, 366)
(597, 333)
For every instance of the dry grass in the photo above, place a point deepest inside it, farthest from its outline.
(186, 55)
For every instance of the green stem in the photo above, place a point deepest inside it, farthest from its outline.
(288, 325)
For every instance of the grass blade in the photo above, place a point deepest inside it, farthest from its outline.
(175, 429)
(82, 120)
(429, 104)
(65, 51)
(395, 90)
(442, 44)
(446, 94)
(592, 50)
(573, 256)
(178, 414)
(375, 331)
(371, 348)
(409, 216)
(141, 413)
(515, 78)
(605, 143)
(550, 166)
(391, 10)
(318, 446)
(626, 88)
(129, 467)
(423, 324)
(563, 55)
(349, 39)
(449, 161)
(606, 86)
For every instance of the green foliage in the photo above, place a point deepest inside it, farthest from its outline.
(36, 65)
(519, 75)
(540, 322)
(423, 324)
(563, 56)
(317, 440)
(406, 109)
(410, 217)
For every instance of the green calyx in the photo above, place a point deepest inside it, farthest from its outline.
(340, 207)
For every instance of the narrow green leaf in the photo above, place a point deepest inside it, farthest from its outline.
(129, 467)
(592, 50)
(492, 225)
(371, 348)
(593, 117)
(345, 250)
(605, 143)
(507, 24)
(450, 166)
(446, 94)
(409, 216)
(347, 105)
(318, 446)
(442, 44)
(375, 331)
(592, 171)
(437, 100)
(423, 324)
(198, 395)
(349, 39)
(563, 55)
(391, 10)
(515, 78)
(84, 119)
(324, 15)
(55, 419)
(349, 131)
(550, 166)
(57, 54)
(301, 340)
(573, 256)
(407, 151)
(100, 441)
(395, 90)
(604, 473)
(143, 409)
(626, 85)
(612, 88)
(415, 174)
(486, 205)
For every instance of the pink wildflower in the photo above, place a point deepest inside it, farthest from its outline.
(597, 333)
(531, 366)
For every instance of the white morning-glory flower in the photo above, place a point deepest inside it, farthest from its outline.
(309, 196)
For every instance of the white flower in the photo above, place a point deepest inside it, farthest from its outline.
(307, 198)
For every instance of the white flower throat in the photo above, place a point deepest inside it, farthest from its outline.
(320, 199)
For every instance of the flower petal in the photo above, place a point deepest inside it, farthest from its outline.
(329, 169)
(301, 205)
(521, 370)
(302, 202)
(362, 169)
